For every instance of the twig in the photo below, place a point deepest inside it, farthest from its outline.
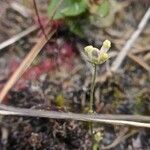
(121, 56)
(102, 116)
(132, 120)
(140, 62)
(137, 51)
(21, 9)
(119, 139)
(147, 57)
(136, 59)
(17, 37)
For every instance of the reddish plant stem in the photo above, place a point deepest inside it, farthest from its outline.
(39, 21)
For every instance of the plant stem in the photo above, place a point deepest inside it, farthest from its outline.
(92, 101)
(92, 88)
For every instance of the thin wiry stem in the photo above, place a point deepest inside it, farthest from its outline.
(39, 20)
(92, 88)
(92, 101)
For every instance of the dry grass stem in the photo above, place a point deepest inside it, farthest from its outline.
(24, 65)
(17, 37)
(125, 50)
(131, 120)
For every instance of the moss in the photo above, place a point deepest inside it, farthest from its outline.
(142, 103)
(59, 101)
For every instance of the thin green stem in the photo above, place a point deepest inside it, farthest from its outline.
(92, 89)
(92, 101)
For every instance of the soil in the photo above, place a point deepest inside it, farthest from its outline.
(59, 79)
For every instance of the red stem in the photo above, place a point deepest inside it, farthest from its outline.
(38, 17)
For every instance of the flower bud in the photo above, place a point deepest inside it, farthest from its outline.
(98, 136)
(106, 46)
(88, 48)
(92, 54)
(103, 57)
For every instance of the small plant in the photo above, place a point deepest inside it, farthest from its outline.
(76, 13)
(98, 136)
(73, 8)
(95, 57)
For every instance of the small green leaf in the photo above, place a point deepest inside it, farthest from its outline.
(51, 6)
(68, 8)
(103, 9)
(74, 9)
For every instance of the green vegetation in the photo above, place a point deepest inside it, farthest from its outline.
(72, 10)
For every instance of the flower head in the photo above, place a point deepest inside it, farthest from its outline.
(98, 136)
(96, 56)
